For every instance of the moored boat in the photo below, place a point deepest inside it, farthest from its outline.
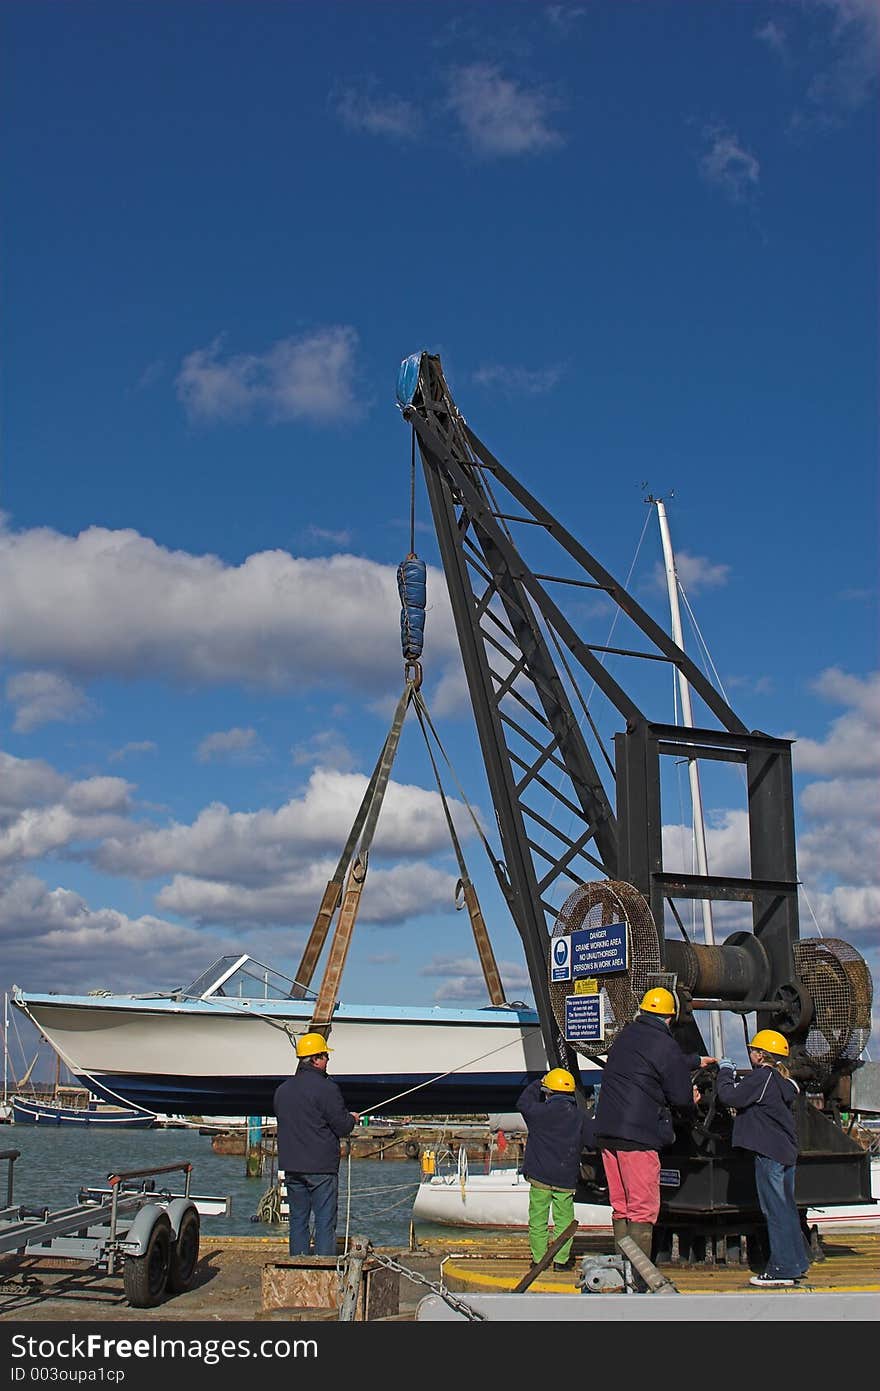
(27, 1110)
(499, 1200)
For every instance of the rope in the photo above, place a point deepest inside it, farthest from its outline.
(269, 1206)
(380, 1105)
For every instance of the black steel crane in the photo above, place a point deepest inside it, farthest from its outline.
(581, 832)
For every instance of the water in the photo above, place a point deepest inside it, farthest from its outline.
(56, 1162)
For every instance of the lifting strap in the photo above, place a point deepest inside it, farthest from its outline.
(328, 993)
(321, 926)
(464, 886)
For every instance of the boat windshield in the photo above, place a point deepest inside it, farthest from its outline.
(240, 978)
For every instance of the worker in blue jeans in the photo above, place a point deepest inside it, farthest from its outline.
(763, 1102)
(312, 1119)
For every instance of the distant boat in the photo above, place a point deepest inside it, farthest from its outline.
(222, 1045)
(28, 1110)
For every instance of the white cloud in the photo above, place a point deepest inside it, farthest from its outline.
(361, 107)
(728, 166)
(463, 979)
(499, 115)
(695, 572)
(135, 746)
(563, 18)
(43, 813)
(116, 604)
(519, 381)
(853, 744)
(43, 697)
(774, 36)
(257, 847)
(25, 782)
(321, 533)
(849, 76)
(727, 844)
(326, 749)
(390, 896)
(242, 745)
(307, 378)
(99, 948)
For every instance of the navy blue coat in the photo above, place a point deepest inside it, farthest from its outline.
(558, 1131)
(764, 1120)
(312, 1119)
(646, 1073)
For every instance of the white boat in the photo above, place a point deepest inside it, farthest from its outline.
(224, 1043)
(499, 1201)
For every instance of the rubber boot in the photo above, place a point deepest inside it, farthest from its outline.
(642, 1234)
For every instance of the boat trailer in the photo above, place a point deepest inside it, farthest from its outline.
(151, 1235)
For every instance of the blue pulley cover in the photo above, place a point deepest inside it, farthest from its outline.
(408, 379)
(412, 576)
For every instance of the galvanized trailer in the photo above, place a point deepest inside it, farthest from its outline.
(151, 1236)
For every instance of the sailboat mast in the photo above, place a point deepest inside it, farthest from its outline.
(5, 1046)
(716, 1033)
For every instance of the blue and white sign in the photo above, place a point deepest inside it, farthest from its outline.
(597, 950)
(584, 1018)
(560, 958)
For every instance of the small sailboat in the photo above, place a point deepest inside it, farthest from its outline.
(72, 1105)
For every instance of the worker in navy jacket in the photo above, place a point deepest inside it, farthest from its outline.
(312, 1119)
(764, 1123)
(646, 1074)
(558, 1131)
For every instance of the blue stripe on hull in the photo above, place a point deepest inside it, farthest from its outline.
(252, 1096)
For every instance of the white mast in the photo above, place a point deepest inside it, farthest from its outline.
(5, 1046)
(716, 1035)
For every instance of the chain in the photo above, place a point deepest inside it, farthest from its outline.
(444, 1294)
(21, 1284)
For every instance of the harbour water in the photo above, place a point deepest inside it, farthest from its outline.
(55, 1162)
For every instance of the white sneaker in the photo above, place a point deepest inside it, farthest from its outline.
(765, 1281)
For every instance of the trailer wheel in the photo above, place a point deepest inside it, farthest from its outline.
(184, 1253)
(145, 1277)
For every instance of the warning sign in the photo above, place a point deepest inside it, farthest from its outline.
(584, 1018)
(588, 986)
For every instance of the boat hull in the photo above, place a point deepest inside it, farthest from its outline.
(220, 1058)
(499, 1201)
(26, 1112)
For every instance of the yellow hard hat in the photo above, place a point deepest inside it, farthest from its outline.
(658, 1001)
(769, 1041)
(558, 1080)
(310, 1044)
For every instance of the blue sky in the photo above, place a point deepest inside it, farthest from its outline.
(642, 238)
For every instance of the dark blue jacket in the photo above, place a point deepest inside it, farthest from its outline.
(312, 1119)
(558, 1131)
(646, 1073)
(764, 1120)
